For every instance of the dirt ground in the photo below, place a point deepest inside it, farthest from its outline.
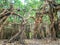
(33, 42)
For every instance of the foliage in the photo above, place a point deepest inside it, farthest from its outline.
(46, 19)
(26, 8)
(58, 1)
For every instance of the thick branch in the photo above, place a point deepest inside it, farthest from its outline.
(17, 15)
(3, 19)
(4, 11)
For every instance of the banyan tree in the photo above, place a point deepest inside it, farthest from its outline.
(51, 8)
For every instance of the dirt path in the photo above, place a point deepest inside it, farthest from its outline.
(34, 42)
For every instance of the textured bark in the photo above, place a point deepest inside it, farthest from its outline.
(52, 12)
(38, 20)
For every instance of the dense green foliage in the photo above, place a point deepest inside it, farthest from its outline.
(26, 8)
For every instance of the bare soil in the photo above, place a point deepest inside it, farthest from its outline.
(33, 42)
